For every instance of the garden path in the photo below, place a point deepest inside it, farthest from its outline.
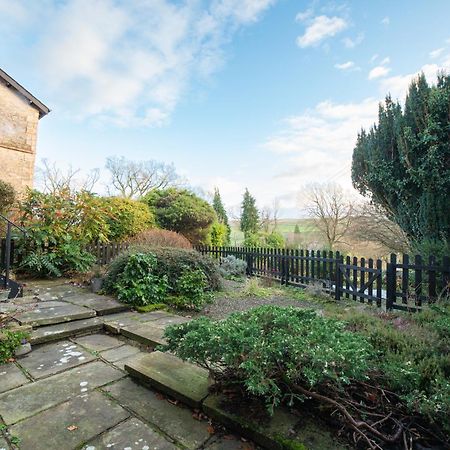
(71, 391)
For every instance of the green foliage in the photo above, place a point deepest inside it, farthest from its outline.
(266, 240)
(138, 284)
(402, 162)
(9, 341)
(7, 196)
(412, 356)
(297, 229)
(274, 240)
(231, 267)
(182, 211)
(58, 227)
(150, 308)
(222, 216)
(127, 218)
(180, 277)
(191, 290)
(268, 348)
(249, 215)
(218, 235)
(431, 247)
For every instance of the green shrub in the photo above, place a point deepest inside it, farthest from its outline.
(182, 211)
(231, 267)
(127, 218)
(188, 276)
(268, 348)
(138, 284)
(58, 228)
(9, 341)
(218, 234)
(191, 289)
(7, 196)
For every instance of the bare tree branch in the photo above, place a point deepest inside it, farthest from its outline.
(134, 179)
(332, 212)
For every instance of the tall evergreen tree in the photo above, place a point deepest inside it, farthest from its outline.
(249, 214)
(403, 162)
(222, 216)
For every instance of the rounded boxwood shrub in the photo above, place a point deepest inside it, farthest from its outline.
(160, 238)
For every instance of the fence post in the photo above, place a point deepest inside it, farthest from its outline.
(391, 281)
(337, 285)
(249, 258)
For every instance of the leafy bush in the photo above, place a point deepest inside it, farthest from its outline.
(266, 240)
(269, 348)
(7, 196)
(160, 238)
(127, 218)
(189, 275)
(58, 227)
(9, 341)
(138, 285)
(218, 234)
(182, 211)
(230, 267)
(191, 289)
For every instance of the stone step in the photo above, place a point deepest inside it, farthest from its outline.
(146, 334)
(169, 374)
(102, 305)
(65, 330)
(59, 313)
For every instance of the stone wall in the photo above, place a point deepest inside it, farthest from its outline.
(18, 132)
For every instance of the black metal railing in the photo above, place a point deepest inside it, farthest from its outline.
(7, 257)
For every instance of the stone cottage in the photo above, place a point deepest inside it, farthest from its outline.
(20, 112)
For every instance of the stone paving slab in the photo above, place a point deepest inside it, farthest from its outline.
(282, 430)
(175, 421)
(228, 442)
(164, 322)
(114, 323)
(101, 304)
(47, 316)
(3, 444)
(91, 413)
(35, 397)
(66, 329)
(118, 354)
(145, 333)
(53, 358)
(11, 377)
(98, 342)
(131, 435)
(169, 374)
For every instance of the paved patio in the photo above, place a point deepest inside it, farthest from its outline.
(71, 391)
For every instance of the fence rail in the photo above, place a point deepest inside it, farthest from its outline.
(393, 285)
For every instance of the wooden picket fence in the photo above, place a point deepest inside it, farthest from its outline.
(105, 253)
(402, 285)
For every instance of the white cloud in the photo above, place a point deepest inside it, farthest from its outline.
(378, 72)
(302, 16)
(321, 28)
(374, 58)
(352, 43)
(386, 21)
(320, 142)
(385, 61)
(129, 62)
(346, 66)
(436, 53)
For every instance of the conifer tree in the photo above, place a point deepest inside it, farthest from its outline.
(249, 214)
(297, 229)
(222, 216)
(403, 162)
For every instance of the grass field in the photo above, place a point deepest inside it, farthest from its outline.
(285, 226)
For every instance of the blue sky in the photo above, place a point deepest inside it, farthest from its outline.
(264, 94)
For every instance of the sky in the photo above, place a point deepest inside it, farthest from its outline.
(264, 94)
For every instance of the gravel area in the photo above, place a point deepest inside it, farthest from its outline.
(232, 299)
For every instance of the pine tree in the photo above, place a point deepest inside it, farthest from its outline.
(249, 214)
(297, 229)
(221, 214)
